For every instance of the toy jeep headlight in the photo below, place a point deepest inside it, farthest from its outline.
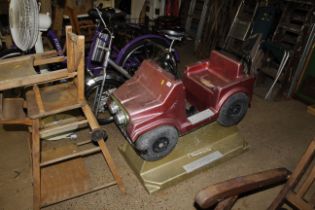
(113, 107)
(121, 118)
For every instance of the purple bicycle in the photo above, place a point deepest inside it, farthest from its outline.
(109, 67)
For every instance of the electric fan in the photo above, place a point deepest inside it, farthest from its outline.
(26, 24)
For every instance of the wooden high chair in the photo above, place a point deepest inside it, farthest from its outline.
(48, 94)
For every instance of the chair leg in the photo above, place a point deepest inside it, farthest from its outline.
(36, 164)
(94, 125)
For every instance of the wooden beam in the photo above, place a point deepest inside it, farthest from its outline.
(36, 164)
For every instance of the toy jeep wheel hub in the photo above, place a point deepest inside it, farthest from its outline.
(157, 143)
(234, 110)
(160, 145)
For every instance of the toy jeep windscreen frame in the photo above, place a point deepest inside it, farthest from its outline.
(153, 108)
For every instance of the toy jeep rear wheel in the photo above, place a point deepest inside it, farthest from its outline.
(157, 143)
(233, 109)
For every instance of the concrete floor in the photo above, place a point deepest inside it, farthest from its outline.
(277, 133)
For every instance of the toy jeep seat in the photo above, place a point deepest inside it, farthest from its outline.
(210, 79)
(149, 90)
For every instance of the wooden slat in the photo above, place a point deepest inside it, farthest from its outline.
(38, 99)
(311, 110)
(214, 193)
(47, 132)
(298, 201)
(307, 183)
(94, 125)
(42, 61)
(70, 49)
(71, 156)
(295, 177)
(80, 69)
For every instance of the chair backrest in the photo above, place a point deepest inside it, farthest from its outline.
(75, 58)
(225, 66)
(299, 190)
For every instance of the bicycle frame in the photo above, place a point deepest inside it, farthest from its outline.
(116, 55)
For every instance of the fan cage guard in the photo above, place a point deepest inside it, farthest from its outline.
(24, 23)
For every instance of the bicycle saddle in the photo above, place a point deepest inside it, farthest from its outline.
(108, 14)
(173, 35)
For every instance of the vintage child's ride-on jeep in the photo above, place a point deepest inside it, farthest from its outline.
(153, 108)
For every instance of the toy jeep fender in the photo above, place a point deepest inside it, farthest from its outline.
(153, 109)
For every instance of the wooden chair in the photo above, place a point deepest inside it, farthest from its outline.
(297, 191)
(48, 94)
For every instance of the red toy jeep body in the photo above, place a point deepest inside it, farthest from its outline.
(153, 98)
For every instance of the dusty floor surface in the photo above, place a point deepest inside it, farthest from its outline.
(277, 133)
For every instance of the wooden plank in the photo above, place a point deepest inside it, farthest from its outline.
(56, 98)
(13, 109)
(90, 190)
(21, 81)
(19, 67)
(35, 165)
(212, 194)
(298, 201)
(94, 125)
(65, 179)
(38, 99)
(295, 177)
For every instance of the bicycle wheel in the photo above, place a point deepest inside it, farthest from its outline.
(148, 48)
(10, 53)
(111, 85)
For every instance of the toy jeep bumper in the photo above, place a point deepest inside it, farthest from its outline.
(153, 108)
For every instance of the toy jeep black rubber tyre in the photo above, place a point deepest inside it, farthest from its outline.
(157, 143)
(233, 109)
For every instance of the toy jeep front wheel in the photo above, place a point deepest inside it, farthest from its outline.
(233, 109)
(157, 143)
